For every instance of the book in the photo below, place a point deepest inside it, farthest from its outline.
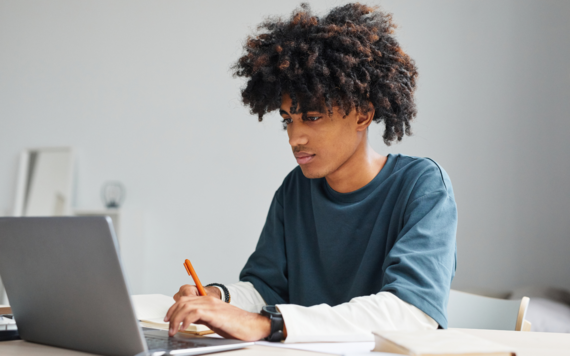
(151, 309)
(195, 329)
(437, 343)
(5, 309)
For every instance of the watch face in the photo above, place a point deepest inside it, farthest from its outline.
(271, 309)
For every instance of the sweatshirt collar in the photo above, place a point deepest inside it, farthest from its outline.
(363, 192)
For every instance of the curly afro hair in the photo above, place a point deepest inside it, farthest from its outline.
(349, 59)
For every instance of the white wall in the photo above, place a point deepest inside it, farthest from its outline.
(143, 91)
(494, 109)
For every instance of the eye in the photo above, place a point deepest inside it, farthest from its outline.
(313, 118)
(286, 121)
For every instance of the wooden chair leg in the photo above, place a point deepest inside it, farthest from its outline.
(526, 326)
(522, 313)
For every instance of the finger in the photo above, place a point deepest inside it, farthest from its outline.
(196, 302)
(172, 309)
(173, 325)
(178, 317)
(173, 329)
(176, 305)
(180, 292)
(188, 290)
(192, 317)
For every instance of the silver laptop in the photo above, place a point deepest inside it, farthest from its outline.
(66, 287)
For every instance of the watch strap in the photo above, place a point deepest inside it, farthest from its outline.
(226, 297)
(277, 325)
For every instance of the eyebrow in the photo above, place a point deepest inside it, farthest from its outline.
(283, 112)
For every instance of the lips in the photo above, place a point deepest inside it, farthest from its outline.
(304, 157)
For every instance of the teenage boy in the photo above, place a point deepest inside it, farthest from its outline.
(354, 241)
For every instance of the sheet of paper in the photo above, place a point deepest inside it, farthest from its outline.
(7, 324)
(151, 306)
(371, 353)
(158, 321)
(6, 321)
(161, 324)
(338, 348)
(216, 336)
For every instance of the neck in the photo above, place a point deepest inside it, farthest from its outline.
(358, 170)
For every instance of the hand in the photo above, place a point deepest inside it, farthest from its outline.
(189, 290)
(225, 319)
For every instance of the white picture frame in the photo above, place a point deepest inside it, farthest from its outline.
(57, 168)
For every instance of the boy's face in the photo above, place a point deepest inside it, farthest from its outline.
(323, 143)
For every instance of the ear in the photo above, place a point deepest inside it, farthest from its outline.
(363, 120)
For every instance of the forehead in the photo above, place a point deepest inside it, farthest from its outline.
(286, 103)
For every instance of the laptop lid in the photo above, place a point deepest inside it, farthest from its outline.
(66, 286)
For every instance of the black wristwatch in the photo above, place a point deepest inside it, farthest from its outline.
(277, 323)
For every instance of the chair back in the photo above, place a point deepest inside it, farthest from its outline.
(472, 311)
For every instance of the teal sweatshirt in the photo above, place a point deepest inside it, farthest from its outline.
(396, 234)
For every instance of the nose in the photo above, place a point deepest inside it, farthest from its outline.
(298, 134)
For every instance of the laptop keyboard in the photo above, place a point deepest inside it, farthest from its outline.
(171, 343)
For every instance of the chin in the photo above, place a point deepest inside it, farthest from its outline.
(313, 172)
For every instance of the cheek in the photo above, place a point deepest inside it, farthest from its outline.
(331, 146)
(342, 144)
(339, 138)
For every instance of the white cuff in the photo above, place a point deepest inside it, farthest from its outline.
(320, 323)
(353, 321)
(244, 295)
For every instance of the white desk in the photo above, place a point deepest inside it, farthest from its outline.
(22, 348)
(526, 344)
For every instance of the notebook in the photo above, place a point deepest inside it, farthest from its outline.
(437, 343)
(151, 309)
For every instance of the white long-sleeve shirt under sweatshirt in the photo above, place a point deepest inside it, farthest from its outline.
(351, 321)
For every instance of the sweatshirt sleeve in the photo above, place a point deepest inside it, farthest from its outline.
(266, 268)
(352, 321)
(420, 266)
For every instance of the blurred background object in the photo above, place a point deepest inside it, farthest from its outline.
(45, 182)
(44, 186)
(549, 308)
(113, 194)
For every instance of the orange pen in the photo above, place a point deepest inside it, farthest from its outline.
(192, 273)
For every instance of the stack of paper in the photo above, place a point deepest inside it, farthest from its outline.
(7, 323)
(151, 309)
